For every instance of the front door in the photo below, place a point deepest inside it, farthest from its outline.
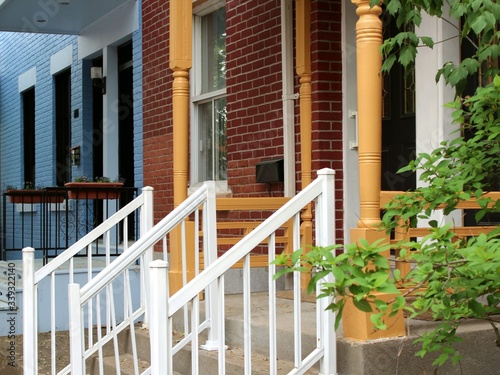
(398, 123)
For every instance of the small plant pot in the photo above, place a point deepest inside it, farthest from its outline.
(93, 190)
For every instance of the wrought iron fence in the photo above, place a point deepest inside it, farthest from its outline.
(52, 219)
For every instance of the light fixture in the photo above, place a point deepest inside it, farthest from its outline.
(97, 78)
(63, 2)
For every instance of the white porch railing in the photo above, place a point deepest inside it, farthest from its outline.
(85, 301)
(162, 346)
(52, 305)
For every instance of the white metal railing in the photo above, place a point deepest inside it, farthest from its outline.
(159, 311)
(161, 333)
(46, 308)
(200, 207)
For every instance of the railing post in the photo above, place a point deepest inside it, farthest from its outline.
(75, 329)
(161, 346)
(210, 247)
(30, 337)
(325, 236)
(147, 219)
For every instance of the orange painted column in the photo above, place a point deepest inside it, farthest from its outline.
(369, 38)
(303, 57)
(180, 40)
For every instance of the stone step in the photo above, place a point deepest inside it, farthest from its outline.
(234, 339)
(208, 361)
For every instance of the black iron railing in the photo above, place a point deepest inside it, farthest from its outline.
(52, 219)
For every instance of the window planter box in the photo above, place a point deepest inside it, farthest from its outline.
(93, 190)
(35, 196)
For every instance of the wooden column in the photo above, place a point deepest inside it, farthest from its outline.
(180, 40)
(303, 51)
(369, 38)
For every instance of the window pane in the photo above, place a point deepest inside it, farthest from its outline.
(212, 145)
(220, 157)
(205, 148)
(213, 50)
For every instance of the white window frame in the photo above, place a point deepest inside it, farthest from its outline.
(197, 98)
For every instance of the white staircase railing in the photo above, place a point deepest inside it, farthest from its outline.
(87, 301)
(45, 301)
(161, 333)
(82, 299)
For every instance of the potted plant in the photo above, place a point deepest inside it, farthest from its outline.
(100, 188)
(29, 194)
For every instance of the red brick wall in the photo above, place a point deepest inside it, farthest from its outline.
(254, 120)
(254, 126)
(326, 62)
(157, 104)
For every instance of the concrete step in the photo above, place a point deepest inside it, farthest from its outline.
(235, 328)
(208, 360)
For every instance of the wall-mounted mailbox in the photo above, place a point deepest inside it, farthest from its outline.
(270, 171)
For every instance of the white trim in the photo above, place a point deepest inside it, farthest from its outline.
(196, 98)
(221, 188)
(349, 103)
(288, 96)
(26, 80)
(61, 60)
(433, 119)
(209, 96)
(113, 29)
(207, 7)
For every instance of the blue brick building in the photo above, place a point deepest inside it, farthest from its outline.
(56, 121)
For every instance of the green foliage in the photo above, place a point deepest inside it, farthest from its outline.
(479, 26)
(451, 279)
(461, 278)
(358, 274)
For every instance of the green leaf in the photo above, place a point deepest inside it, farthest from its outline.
(479, 24)
(338, 274)
(427, 41)
(388, 63)
(407, 55)
(362, 305)
(477, 308)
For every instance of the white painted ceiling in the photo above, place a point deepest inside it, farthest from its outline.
(53, 16)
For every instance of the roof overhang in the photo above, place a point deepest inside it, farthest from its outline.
(55, 16)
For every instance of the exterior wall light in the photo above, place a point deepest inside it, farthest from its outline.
(97, 78)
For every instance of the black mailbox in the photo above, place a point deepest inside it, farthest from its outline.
(270, 171)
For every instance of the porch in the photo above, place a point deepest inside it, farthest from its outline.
(126, 293)
(390, 356)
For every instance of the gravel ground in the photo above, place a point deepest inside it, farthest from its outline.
(44, 365)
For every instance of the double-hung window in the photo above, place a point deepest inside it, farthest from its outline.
(208, 95)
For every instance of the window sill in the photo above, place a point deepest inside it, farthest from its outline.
(221, 189)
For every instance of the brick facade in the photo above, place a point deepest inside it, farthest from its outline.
(254, 97)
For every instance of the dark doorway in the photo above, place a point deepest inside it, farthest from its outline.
(126, 114)
(398, 122)
(467, 50)
(63, 126)
(126, 125)
(97, 132)
(28, 98)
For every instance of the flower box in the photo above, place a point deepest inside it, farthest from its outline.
(35, 196)
(93, 190)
